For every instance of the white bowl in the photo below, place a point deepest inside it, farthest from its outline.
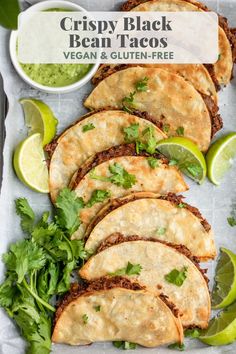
(45, 5)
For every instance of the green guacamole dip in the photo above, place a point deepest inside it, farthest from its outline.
(56, 75)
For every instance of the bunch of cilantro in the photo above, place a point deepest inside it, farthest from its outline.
(39, 267)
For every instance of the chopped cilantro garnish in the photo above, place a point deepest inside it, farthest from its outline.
(176, 276)
(231, 221)
(177, 346)
(192, 333)
(181, 205)
(180, 131)
(124, 345)
(153, 162)
(98, 196)
(39, 268)
(131, 132)
(166, 128)
(142, 85)
(130, 269)
(97, 308)
(88, 127)
(85, 318)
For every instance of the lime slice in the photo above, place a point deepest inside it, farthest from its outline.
(186, 155)
(222, 329)
(224, 290)
(29, 163)
(39, 119)
(220, 157)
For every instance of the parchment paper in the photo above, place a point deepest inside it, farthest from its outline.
(215, 203)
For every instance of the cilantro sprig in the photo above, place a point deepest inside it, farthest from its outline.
(40, 266)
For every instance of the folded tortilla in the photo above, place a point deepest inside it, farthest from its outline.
(169, 99)
(144, 214)
(196, 74)
(157, 260)
(162, 179)
(116, 310)
(222, 69)
(73, 147)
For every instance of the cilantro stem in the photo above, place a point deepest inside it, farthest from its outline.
(44, 303)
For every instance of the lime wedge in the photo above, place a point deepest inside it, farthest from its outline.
(222, 329)
(224, 290)
(186, 155)
(220, 157)
(39, 119)
(29, 163)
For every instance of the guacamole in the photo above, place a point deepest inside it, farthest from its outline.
(56, 75)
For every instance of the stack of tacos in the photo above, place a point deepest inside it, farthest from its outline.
(143, 282)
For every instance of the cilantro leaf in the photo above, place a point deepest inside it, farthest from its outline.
(173, 162)
(194, 170)
(26, 214)
(192, 333)
(177, 346)
(64, 283)
(23, 257)
(231, 221)
(130, 269)
(88, 127)
(142, 85)
(98, 196)
(151, 143)
(177, 277)
(128, 102)
(131, 132)
(153, 162)
(121, 177)
(124, 345)
(180, 131)
(68, 207)
(161, 231)
(97, 308)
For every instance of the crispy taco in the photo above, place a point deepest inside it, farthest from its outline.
(165, 96)
(160, 268)
(221, 71)
(116, 310)
(167, 218)
(119, 171)
(93, 133)
(196, 74)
